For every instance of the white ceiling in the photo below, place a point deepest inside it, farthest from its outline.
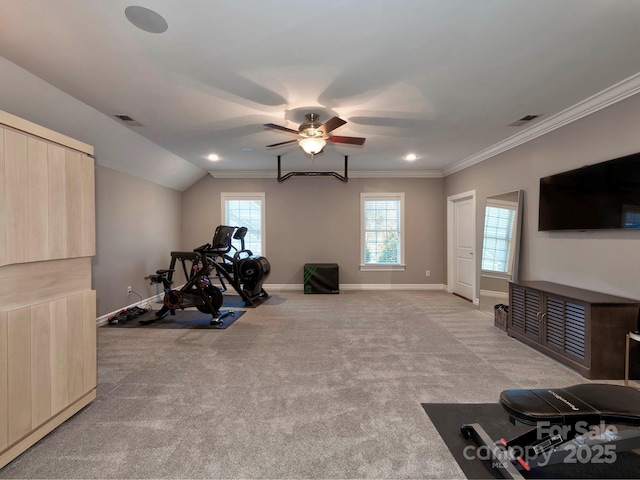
(439, 78)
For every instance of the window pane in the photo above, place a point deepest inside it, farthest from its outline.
(382, 231)
(246, 213)
(498, 230)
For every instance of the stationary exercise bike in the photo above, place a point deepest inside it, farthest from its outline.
(197, 292)
(238, 267)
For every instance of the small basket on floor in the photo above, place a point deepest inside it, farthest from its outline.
(501, 316)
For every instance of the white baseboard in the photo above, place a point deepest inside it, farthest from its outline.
(104, 318)
(299, 287)
(291, 287)
(392, 286)
(493, 293)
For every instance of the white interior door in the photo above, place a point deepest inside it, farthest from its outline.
(464, 242)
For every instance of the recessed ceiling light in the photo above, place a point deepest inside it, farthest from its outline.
(213, 157)
(146, 19)
(248, 149)
(411, 157)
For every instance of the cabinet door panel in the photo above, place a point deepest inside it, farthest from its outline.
(88, 207)
(554, 320)
(517, 309)
(3, 381)
(3, 211)
(565, 327)
(19, 373)
(57, 202)
(524, 311)
(532, 314)
(89, 343)
(575, 329)
(16, 195)
(74, 345)
(73, 164)
(59, 356)
(38, 186)
(40, 364)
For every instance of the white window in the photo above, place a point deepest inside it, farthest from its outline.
(499, 230)
(382, 231)
(246, 210)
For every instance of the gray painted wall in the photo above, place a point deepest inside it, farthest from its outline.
(317, 219)
(137, 226)
(604, 261)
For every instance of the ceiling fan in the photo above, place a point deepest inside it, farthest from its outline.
(315, 135)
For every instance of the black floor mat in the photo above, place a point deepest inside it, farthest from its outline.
(448, 417)
(190, 318)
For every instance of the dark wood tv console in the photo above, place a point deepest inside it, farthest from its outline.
(584, 330)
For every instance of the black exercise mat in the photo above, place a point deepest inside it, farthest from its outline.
(230, 300)
(448, 417)
(190, 318)
(235, 301)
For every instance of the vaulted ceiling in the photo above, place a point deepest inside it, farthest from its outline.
(442, 79)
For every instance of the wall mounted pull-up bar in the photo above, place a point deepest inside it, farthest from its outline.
(342, 178)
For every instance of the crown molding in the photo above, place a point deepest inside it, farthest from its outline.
(396, 174)
(352, 174)
(243, 173)
(603, 99)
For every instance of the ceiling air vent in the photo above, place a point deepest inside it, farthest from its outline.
(128, 120)
(524, 120)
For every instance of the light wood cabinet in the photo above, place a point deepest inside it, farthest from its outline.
(47, 308)
(582, 329)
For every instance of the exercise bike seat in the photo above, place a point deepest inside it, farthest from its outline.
(591, 403)
(165, 271)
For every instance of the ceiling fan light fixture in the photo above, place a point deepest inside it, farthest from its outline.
(312, 145)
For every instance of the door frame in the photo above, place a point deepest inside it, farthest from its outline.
(451, 200)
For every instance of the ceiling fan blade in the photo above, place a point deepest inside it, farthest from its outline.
(349, 140)
(331, 125)
(278, 127)
(282, 143)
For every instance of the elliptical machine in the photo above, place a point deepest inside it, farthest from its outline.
(243, 270)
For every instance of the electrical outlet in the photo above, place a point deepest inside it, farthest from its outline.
(428, 274)
(129, 290)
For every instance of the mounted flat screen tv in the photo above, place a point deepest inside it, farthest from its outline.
(601, 196)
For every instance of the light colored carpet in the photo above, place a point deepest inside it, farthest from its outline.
(305, 386)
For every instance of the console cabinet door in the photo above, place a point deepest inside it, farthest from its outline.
(525, 311)
(565, 327)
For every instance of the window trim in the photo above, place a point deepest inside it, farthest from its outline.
(382, 267)
(224, 196)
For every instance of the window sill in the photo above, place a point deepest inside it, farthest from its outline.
(494, 274)
(378, 267)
